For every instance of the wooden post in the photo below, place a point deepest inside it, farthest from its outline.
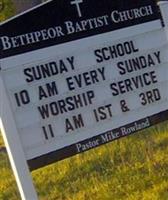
(22, 5)
(14, 148)
(10, 133)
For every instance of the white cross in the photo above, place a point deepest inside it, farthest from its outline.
(77, 2)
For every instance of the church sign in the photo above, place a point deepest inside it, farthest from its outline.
(82, 73)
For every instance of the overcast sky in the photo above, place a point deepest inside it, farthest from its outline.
(22, 5)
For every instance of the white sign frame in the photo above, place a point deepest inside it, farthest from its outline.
(14, 148)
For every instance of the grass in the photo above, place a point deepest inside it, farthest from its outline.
(132, 168)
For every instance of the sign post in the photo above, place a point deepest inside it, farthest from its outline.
(14, 148)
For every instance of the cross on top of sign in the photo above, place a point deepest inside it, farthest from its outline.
(77, 2)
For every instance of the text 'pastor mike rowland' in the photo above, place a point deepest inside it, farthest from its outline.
(70, 27)
(112, 135)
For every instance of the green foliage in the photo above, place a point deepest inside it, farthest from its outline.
(132, 168)
(6, 9)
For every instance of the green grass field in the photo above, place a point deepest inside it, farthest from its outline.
(132, 168)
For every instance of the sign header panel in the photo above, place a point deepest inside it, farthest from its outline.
(62, 21)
